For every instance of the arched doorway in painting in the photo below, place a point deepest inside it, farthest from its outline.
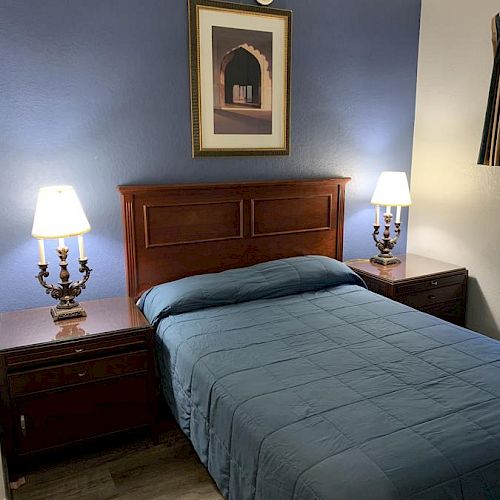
(242, 79)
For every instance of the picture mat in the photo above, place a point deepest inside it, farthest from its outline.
(209, 17)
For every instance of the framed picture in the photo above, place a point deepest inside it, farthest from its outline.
(240, 79)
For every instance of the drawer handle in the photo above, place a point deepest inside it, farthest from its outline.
(434, 283)
(432, 297)
(78, 351)
(23, 425)
(82, 374)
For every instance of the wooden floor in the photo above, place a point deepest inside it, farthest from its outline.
(135, 469)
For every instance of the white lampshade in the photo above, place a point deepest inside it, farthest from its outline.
(392, 190)
(59, 214)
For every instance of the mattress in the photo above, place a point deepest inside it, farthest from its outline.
(329, 393)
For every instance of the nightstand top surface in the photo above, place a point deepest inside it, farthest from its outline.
(412, 266)
(28, 327)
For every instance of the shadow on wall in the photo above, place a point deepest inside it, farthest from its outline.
(479, 316)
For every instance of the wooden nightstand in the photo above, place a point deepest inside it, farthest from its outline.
(75, 380)
(429, 285)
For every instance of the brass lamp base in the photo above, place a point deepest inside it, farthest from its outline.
(66, 291)
(76, 311)
(386, 243)
(385, 260)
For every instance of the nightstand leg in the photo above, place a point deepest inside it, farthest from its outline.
(15, 485)
(15, 473)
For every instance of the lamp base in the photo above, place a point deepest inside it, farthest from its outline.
(73, 312)
(385, 261)
(386, 243)
(67, 290)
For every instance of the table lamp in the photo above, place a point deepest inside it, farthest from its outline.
(391, 191)
(60, 215)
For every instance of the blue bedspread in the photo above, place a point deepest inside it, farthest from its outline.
(336, 393)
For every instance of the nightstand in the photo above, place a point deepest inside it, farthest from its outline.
(426, 284)
(75, 380)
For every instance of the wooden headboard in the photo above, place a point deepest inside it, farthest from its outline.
(174, 231)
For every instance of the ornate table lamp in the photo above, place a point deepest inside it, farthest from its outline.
(391, 191)
(60, 215)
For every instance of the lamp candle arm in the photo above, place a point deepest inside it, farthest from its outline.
(79, 285)
(397, 231)
(376, 230)
(49, 287)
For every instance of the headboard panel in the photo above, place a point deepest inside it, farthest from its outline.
(174, 231)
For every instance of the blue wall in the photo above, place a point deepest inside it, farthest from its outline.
(95, 93)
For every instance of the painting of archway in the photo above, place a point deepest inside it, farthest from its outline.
(240, 78)
(242, 67)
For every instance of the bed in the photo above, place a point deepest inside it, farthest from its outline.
(291, 380)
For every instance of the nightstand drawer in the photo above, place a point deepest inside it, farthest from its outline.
(433, 296)
(76, 373)
(426, 284)
(431, 284)
(453, 311)
(74, 350)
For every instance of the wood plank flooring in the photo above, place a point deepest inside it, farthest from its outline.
(129, 470)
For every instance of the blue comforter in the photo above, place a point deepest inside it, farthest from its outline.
(324, 390)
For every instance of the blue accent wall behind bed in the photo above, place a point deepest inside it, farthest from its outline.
(96, 94)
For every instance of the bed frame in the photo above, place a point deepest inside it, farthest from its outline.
(174, 231)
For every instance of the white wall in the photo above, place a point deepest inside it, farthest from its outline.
(3, 494)
(456, 211)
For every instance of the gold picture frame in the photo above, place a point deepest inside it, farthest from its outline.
(240, 79)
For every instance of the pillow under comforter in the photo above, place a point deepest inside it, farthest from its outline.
(272, 279)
